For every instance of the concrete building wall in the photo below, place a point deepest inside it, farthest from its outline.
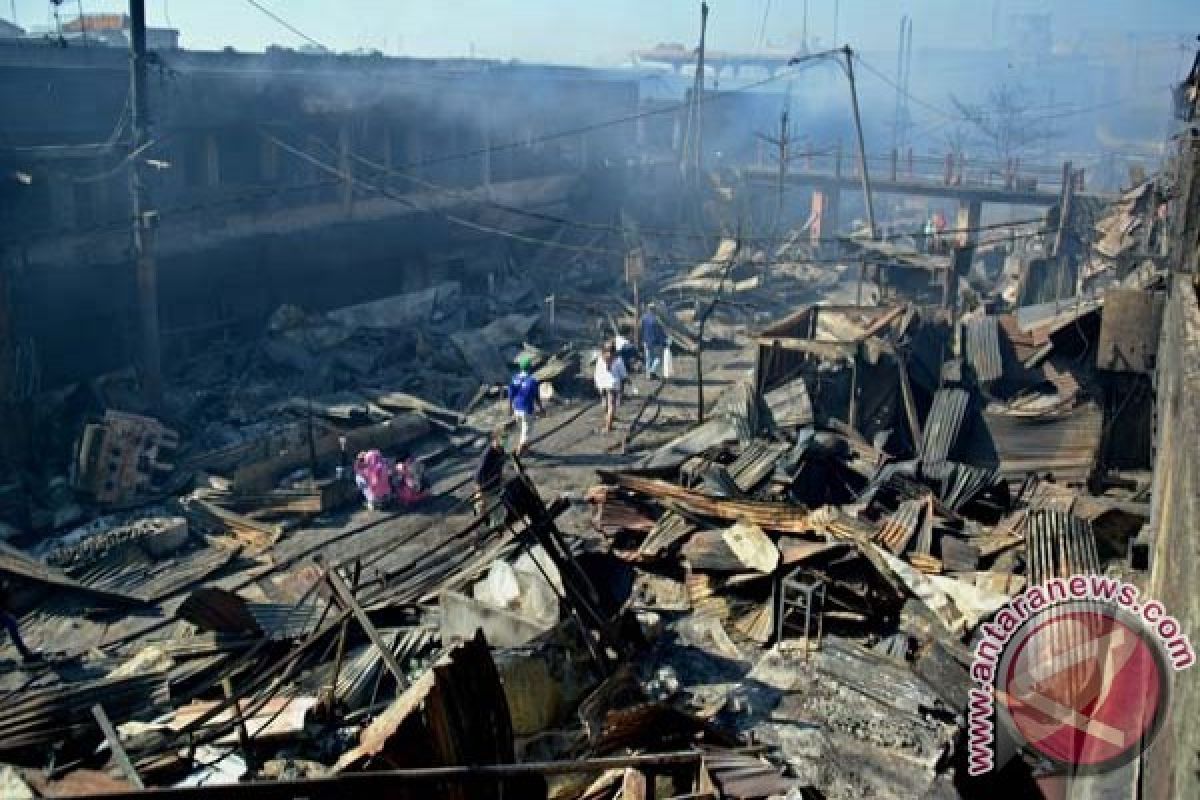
(246, 223)
(1170, 767)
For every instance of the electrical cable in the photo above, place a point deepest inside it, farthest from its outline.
(708, 97)
(1058, 111)
(287, 24)
(762, 29)
(596, 226)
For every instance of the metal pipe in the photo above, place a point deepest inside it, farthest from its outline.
(344, 785)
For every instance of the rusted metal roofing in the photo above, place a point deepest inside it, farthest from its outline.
(983, 348)
(455, 714)
(743, 777)
(781, 517)
(38, 717)
(1059, 443)
(901, 525)
(756, 461)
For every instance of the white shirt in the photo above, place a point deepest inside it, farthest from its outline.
(610, 377)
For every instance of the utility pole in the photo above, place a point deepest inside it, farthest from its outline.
(692, 159)
(903, 63)
(804, 30)
(781, 176)
(862, 152)
(783, 155)
(143, 217)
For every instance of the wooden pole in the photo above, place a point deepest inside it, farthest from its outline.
(243, 734)
(341, 643)
(114, 742)
(143, 232)
(862, 152)
(346, 598)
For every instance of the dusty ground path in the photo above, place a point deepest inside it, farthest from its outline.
(569, 448)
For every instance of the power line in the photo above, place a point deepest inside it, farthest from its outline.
(1058, 110)
(903, 91)
(454, 218)
(708, 97)
(762, 29)
(598, 227)
(283, 22)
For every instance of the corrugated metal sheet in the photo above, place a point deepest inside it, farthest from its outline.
(756, 461)
(717, 482)
(962, 482)
(281, 621)
(781, 517)
(942, 428)
(1063, 444)
(1059, 545)
(38, 717)
(734, 418)
(901, 525)
(983, 349)
(790, 405)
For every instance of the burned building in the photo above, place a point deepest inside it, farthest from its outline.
(264, 169)
(510, 446)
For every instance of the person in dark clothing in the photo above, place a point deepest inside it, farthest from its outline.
(489, 480)
(654, 339)
(9, 622)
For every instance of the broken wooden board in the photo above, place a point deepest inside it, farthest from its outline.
(393, 433)
(741, 548)
(454, 714)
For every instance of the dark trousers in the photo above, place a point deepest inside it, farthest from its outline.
(10, 624)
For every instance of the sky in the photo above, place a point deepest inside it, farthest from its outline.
(604, 33)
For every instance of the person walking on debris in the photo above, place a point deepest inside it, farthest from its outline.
(610, 376)
(524, 398)
(489, 480)
(654, 340)
(14, 631)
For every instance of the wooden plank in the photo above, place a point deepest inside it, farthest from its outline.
(346, 598)
(114, 742)
(781, 517)
(634, 785)
(833, 351)
(383, 435)
(234, 519)
(243, 734)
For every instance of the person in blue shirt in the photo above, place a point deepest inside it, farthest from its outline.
(524, 397)
(654, 339)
